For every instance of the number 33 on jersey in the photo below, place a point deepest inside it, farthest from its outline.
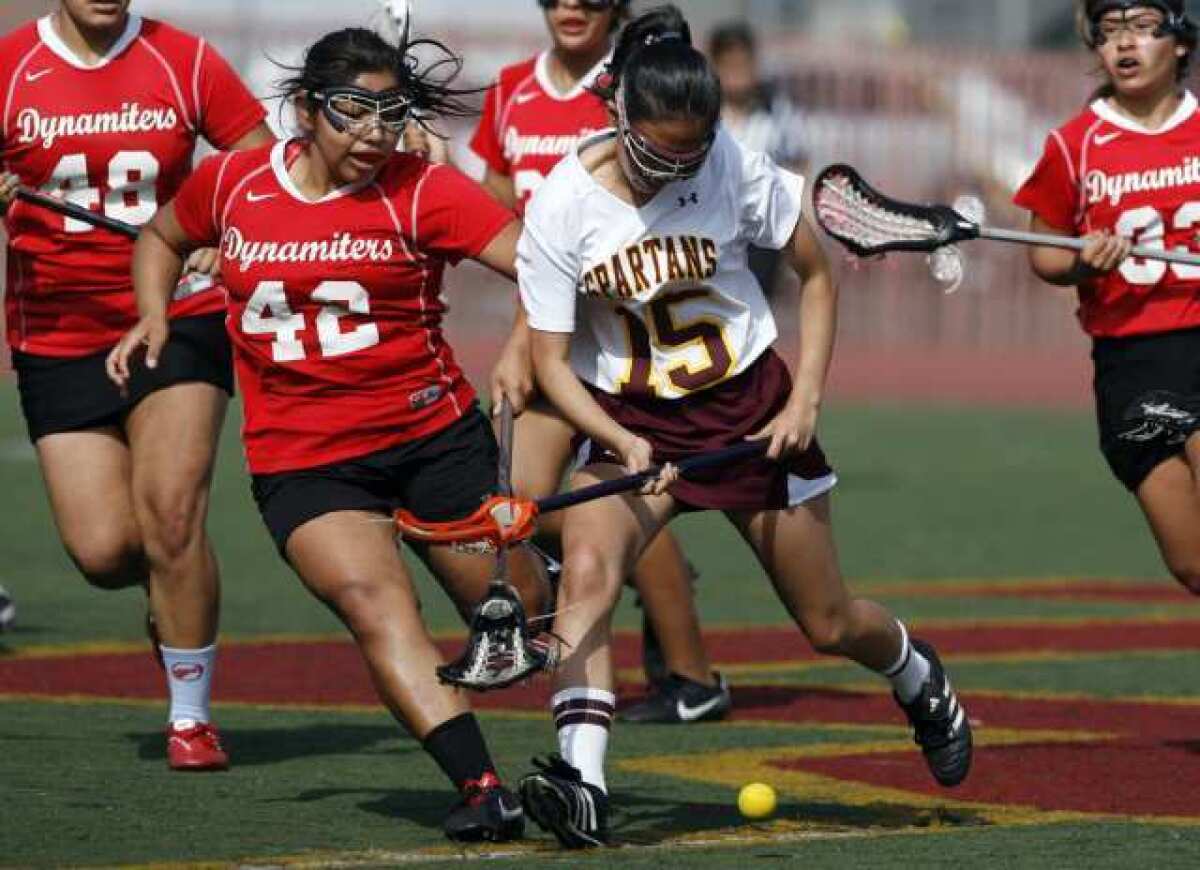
(1102, 171)
(666, 303)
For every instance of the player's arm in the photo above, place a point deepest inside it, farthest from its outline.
(793, 428)
(257, 137)
(1066, 268)
(552, 363)
(158, 258)
(501, 187)
(512, 376)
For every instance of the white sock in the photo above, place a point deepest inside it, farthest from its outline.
(189, 680)
(910, 671)
(583, 717)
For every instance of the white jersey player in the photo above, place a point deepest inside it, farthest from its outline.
(669, 278)
(652, 337)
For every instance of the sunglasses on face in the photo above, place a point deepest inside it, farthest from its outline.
(358, 111)
(586, 5)
(658, 164)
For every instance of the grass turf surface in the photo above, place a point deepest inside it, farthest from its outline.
(926, 495)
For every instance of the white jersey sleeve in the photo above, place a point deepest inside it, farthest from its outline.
(771, 200)
(548, 260)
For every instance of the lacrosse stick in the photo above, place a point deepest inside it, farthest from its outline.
(499, 651)
(70, 209)
(506, 520)
(189, 285)
(869, 223)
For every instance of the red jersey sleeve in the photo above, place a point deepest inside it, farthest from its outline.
(197, 204)
(1051, 192)
(486, 141)
(456, 218)
(227, 109)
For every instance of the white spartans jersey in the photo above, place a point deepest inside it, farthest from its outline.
(660, 298)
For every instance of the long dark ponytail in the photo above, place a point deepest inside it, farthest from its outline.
(658, 71)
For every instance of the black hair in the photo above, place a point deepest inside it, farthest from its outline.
(1178, 24)
(731, 36)
(659, 72)
(338, 58)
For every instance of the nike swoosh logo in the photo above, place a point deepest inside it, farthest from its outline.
(691, 714)
(510, 815)
(1104, 139)
(251, 196)
(522, 99)
(33, 77)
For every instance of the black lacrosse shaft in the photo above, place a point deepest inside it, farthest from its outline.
(634, 481)
(78, 212)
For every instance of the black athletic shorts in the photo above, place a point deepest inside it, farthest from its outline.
(444, 476)
(70, 394)
(1125, 368)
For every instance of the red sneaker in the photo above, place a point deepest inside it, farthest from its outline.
(195, 746)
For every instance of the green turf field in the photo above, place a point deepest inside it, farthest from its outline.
(998, 534)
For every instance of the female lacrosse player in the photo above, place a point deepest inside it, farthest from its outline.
(651, 335)
(333, 247)
(1120, 172)
(534, 114)
(105, 108)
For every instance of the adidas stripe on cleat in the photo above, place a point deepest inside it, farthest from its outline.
(940, 724)
(557, 798)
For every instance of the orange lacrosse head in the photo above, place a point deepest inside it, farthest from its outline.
(499, 521)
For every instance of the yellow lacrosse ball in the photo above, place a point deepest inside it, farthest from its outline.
(756, 800)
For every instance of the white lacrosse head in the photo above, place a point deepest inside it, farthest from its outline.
(849, 214)
(397, 20)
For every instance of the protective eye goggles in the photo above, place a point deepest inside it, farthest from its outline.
(586, 5)
(1156, 20)
(659, 164)
(358, 111)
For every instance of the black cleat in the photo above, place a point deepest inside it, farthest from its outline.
(1161, 414)
(940, 724)
(488, 812)
(678, 700)
(557, 798)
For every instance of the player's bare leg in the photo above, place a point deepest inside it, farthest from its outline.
(465, 577)
(567, 795)
(796, 548)
(664, 584)
(1170, 499)
(173, 434)
(350, 562)
(662, 576)
(87, 476)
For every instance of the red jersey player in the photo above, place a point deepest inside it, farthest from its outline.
(535, 113)
(1124, 172)
(332, 248)
(105, 108)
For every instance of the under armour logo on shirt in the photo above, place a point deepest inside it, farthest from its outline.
(693, 198)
